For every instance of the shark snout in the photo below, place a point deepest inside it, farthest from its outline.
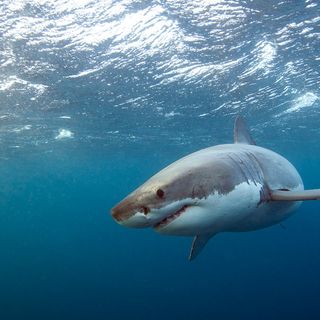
(130, 215)
(116, 214)
(122, 211)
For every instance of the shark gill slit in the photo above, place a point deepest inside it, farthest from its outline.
(240, 168)
(246, 168)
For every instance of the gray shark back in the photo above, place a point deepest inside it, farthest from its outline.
(221, 168)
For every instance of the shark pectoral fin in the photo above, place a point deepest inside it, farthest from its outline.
(281, 195)
(198, 244)
(241, 132)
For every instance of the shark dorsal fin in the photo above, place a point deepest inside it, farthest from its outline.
(241, 132)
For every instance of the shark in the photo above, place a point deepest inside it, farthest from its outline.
(234, 187)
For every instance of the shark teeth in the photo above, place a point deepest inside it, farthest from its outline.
(171, 217)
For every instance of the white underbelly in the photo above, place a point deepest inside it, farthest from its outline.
(239, 210)
(217, 212)
(265, 215)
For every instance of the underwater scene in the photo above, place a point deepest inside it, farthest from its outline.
(96, 97)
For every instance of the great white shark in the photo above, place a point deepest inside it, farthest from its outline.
(229, 187)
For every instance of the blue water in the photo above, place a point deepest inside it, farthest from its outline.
(95, 97)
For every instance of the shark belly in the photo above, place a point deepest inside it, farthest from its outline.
(217, 212)
(265, 215)
(238, 211)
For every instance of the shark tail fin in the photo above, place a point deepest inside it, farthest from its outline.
(287, 195)
(241, 132)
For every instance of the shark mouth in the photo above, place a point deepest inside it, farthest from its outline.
(171, 217)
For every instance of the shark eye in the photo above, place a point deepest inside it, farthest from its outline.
(160, 193)
(145, 210)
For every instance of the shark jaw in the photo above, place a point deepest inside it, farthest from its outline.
(161, 218)
(166, 221)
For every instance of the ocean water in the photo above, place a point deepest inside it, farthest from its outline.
(95, 97)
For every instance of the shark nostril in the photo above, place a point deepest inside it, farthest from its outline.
(145, 210)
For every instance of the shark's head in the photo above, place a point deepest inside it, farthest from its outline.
(156, 204)
(174, 201)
